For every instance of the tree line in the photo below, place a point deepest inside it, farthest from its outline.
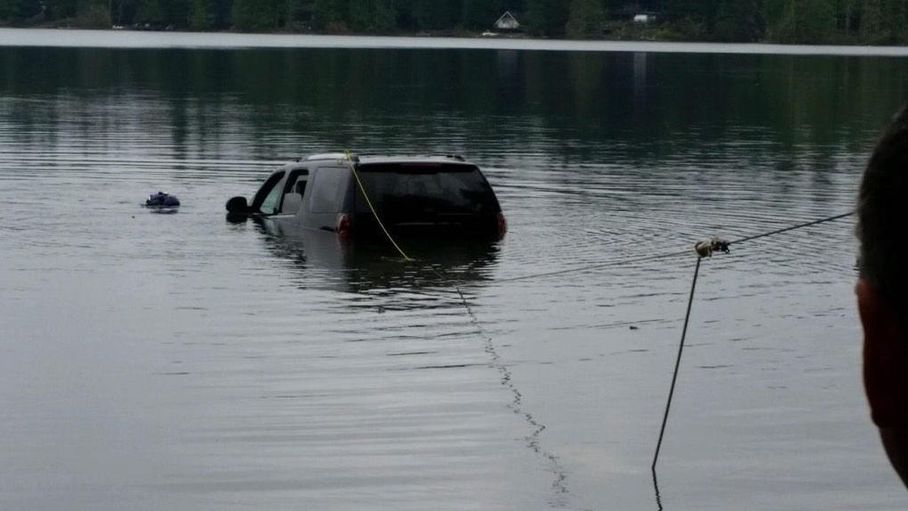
(784, 21)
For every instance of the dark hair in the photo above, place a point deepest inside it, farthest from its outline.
(883, 215)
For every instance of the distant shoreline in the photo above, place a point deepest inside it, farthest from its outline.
(126, 39)
(624, 32)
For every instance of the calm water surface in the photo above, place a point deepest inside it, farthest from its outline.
(155, 361)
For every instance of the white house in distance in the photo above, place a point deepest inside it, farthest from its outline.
(507, 21)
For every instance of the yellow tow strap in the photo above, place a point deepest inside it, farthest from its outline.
(362, 188)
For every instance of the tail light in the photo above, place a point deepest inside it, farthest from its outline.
(344, 225)
(502, 225)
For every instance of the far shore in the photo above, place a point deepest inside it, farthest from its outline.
(110, 38)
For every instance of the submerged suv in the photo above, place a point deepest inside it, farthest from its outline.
(344, 193)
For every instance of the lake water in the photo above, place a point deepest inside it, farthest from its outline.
(181, 362)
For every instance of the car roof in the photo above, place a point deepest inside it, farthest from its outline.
(371, 159)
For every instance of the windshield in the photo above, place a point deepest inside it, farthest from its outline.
(423, 192)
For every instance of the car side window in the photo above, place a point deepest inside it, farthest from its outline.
(328, 190)
(270, 204)
(268, 197)
(293, 191)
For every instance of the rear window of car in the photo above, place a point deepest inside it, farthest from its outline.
(439, 188)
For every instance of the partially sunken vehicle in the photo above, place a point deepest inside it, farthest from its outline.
(349, 195)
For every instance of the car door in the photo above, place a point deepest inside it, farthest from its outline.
(293, 189)
(327, 196)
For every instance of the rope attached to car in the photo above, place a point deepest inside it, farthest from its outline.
(559, 484)
(703, 249)
(359, 183)
(706, 249)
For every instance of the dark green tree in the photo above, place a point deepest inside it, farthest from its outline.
(436, 14)
(883, 21)
(221, 12)
(739, 21)
(481, 14)
(259, 14)
(515, 6)
(547, 17)
(175, 12)
(31, 9)
(805, 21)
(819, 22)
(372, 15)
(60, 9)
(896, 21)
(9, 9)
(245, 15)
(848, 16)
(698, 11)
(872, 21)
(274, 13)
(586, 19)
(329, 14)
(94, 13)
(200, 18)
(405, 17)
(300, 13)
(148, 11)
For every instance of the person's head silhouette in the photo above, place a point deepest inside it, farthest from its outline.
(882, 289)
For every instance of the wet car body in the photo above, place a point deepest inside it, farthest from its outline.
(348, 195)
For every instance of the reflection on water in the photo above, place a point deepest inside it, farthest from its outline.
(432, 280)
(183, 362)
(365, 265)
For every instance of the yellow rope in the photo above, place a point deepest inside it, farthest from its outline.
(375, 213)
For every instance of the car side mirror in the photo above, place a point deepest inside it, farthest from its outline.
(238, 210)
(238, 206)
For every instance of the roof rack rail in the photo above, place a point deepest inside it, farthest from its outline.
(455, 157)
(334, 156)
